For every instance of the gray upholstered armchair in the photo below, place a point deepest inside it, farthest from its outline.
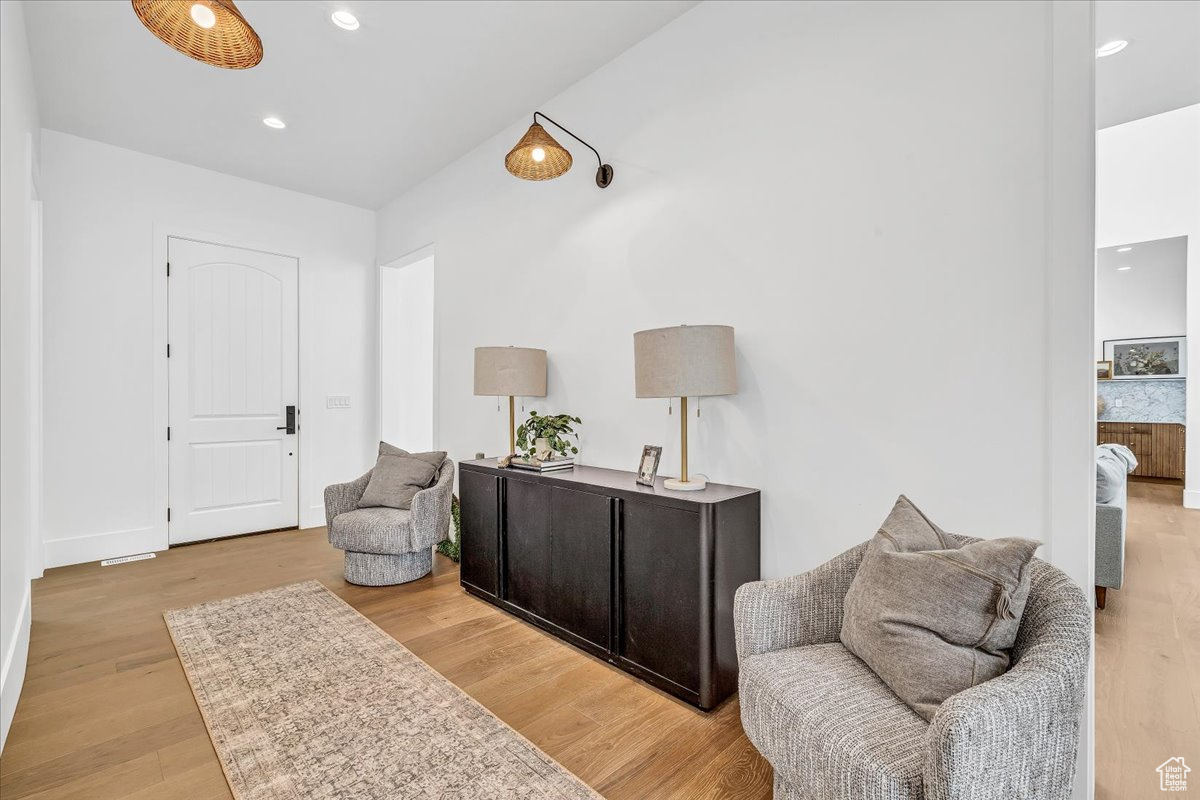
(389, 545)
(834, 731)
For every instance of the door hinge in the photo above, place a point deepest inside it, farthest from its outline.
(168, 433)
(168, 349)
(168, 513)
(168, 269)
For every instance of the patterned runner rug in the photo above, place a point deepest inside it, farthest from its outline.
(306, 698)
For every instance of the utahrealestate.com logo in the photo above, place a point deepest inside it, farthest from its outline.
(1172, 775)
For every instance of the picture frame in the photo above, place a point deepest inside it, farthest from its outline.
(648, 466)
(1147, 357)
(1104, 370)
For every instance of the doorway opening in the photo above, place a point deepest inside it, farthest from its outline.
(407, 352)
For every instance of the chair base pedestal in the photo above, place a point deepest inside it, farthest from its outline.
(374, 569)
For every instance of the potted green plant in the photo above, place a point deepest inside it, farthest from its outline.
(451, 548)
(543, 435)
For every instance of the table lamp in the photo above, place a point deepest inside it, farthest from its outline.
(686, 361)
(512, 371)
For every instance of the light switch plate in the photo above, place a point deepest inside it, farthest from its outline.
(337, 401)
(1119, 403)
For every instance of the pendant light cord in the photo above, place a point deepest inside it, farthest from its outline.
(536, 114)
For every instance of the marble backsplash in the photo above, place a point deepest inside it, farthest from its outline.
(1143, 400)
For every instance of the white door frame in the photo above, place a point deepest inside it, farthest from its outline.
(37, 548)
(163, 232)
(428, 251)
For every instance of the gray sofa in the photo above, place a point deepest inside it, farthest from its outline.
(832, 730)
(386, 546)
(1113, 464)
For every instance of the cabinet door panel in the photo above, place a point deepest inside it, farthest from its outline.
(660, 591)
(581, 563)
(478, 494)
(527, 545)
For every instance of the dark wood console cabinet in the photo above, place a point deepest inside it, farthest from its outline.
(641, 577)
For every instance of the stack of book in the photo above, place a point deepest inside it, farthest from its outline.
(535, 465)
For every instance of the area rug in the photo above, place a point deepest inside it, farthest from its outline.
(306, 698)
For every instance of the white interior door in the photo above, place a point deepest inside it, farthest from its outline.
(233, 330)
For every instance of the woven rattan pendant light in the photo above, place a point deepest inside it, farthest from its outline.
(538, 157)
(212, 31)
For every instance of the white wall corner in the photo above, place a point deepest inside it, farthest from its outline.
(313, 517)
(1070, 292)
(1191, 498)
(12, 673)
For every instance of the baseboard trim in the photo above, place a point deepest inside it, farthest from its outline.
(313, 517)
(1191, 498)
(98, 546)
(12, 674)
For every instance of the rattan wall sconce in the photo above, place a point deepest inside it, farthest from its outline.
(212, 31)
(538, 157)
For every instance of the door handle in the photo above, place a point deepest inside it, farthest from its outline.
(291, 421)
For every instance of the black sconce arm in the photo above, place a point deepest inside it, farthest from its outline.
(604, 172)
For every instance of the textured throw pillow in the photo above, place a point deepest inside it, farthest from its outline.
(398, 476)
(932, 618)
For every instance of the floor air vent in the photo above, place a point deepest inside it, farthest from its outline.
(108, 562)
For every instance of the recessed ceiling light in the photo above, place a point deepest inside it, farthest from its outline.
(1111, 48)
(1122, 269)
(274, 122)
(1124, 249)
(345, 20)
(203, 16)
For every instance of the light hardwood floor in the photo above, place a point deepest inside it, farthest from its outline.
(106, 711)
(1148, 649)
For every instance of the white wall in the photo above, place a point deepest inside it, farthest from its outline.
(406, 354)
(108, 212)
(890, 202)
(19, 131)
(814, 175)
(1147, 299)
(1148, 187)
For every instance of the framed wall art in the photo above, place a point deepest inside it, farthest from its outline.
(1148, 357)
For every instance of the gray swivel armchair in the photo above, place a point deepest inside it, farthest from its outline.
(386, 546)
(834, 731)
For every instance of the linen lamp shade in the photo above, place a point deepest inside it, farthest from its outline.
(686, 361)
(511, 371)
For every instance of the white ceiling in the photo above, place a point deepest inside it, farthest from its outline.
(370, 113)
(1160, 69)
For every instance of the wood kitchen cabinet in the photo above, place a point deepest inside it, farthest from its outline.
(1159, 446)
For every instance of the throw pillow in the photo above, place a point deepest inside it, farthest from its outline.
(398, 476)
(932, 618)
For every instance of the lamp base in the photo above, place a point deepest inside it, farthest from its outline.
(676, 485)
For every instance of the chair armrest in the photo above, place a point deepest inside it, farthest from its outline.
(1017, 735)
(1110, 545)
(343, 497)
(431, 508)
(800, 610)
